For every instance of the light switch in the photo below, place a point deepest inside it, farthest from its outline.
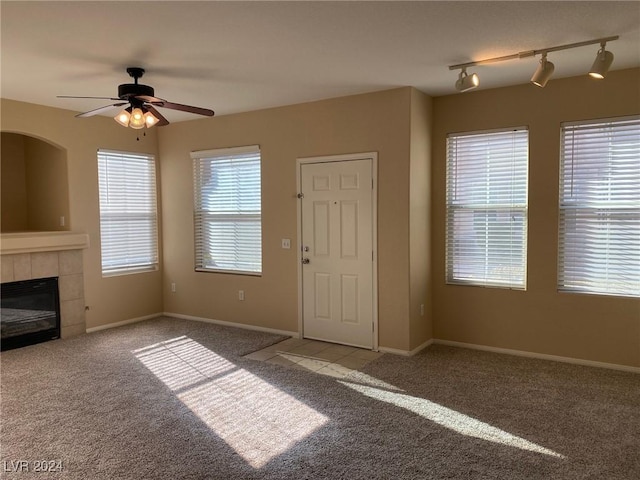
(286, 243)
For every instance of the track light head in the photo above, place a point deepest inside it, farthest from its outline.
(467, 82)
(603, 61)
(543, 72)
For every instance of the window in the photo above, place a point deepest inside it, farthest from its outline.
(128, 214)
(227, 205)
(487, 208)
(599, 231)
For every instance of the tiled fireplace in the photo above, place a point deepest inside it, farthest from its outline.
(26, 256)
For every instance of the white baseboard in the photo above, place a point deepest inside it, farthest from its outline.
(540, 356)
(406, 353)
(122, 323)
(395, 351)
(232, 324)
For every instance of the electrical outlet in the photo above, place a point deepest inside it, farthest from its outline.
(62, 222)
(286, 243)
(422, 309)
(173, 286)
(240, 294)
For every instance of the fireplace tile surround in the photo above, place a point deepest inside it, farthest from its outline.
(27, 256)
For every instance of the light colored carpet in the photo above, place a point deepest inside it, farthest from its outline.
(175, 399)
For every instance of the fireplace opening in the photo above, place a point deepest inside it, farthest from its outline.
(29, 313)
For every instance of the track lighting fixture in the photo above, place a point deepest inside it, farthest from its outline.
(467, 82)
(543, 73)
(545, 69)
(603, 61)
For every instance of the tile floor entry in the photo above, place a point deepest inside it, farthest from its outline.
(315, 356)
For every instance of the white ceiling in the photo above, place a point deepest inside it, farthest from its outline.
(241, 56)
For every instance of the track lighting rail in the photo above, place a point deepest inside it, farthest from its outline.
(544, 71)
(531, 53)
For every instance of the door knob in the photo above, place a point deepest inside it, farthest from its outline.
(305, 261)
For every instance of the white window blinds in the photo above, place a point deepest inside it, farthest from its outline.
(128, 214)
(486, 211)
(227, 210)
(599, 231)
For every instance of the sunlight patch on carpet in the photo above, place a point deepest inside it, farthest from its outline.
(253, 417)
(448, 418)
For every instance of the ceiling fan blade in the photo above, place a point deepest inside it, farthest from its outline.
(97, 98)
(150, 99)
(163, 121)
(187, 108)
(158, 102)
(106, 108)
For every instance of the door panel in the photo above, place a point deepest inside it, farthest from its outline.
(349, 229)
(322, 293)
(321, 228)
(337, 240)
(349, 297)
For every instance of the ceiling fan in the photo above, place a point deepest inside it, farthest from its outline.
(141, 111)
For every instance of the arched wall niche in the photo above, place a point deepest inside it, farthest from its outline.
(34, 184)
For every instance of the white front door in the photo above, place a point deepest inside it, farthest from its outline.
(337, 251)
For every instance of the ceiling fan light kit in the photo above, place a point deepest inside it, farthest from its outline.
(137, 119)
(150, 119)
(141, 110)
(545, 69)
(123, 117)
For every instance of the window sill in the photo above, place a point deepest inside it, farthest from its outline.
(131, 271)
(229, 272)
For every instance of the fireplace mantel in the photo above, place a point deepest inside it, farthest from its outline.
(29, 242)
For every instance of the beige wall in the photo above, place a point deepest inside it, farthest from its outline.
(111, 299)
(47, 186)
(14, 183)
(597, 328)
(35, 191)
(408, 130)
(377, 122)
(421, 329)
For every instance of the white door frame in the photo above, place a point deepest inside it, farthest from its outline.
(373, 156)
